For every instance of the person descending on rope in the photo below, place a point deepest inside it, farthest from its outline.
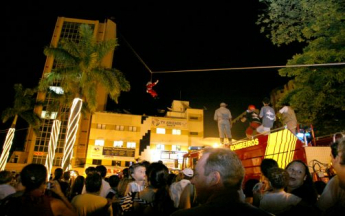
(149, 89)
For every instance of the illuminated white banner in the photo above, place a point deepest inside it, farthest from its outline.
(156, 122)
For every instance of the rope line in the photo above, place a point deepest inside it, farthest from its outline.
(229, 69)
(136, 54)
(253, 68)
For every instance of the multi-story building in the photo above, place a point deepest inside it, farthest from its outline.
(114, 140)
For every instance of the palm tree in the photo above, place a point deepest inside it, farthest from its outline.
(54, 111)
(80, 74)
(23, 106)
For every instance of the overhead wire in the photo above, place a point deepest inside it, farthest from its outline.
(231, 68)
(253, 68)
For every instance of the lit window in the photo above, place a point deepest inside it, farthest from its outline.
(118, 144)
(119, 127)
(131, 145)
(132, 128)
(100, 126)
(160, 130)
(56, 89)
(176, 132)
(176, 147)
(48, 115)
(99, 142)
(160, 147)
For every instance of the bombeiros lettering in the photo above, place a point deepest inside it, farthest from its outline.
(245, 144)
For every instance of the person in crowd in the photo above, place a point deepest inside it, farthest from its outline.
(277, 200)
(288, 117)
(177, 187)
(124, 181)
(223, 117)
(171, 178)
(138, 173)
(268, 117)
(339, 162)
(77, 187)
(218, 178)
(66, 178)
(34, 201)
(332, 200)
(254, 121)
(58, 176)
(113, 192)
(91, 203)
(154, 199)
(263, 186)
(5, 187)
(300, 182)
(188, 198)
(90, 170)
(248, 189)
(102, 171)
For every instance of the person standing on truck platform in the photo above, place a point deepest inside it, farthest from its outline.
(253, 119)
(268, 117)
(223, 116)
(288, 117)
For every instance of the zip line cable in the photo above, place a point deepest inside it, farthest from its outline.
(136, 54)
(5, 130)
(229, 69)
(253, 68)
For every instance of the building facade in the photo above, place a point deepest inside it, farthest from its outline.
(117, 140)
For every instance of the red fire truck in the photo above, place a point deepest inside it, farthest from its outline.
(282, 146)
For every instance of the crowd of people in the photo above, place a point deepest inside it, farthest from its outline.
(215, 185)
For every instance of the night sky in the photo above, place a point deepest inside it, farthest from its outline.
(167, 35)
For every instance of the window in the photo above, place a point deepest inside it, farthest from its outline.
(118, 144)
(96, 162)
(160, 147)
(116, 163)
(48, 115)
(193, 118)
(119, 127)
(160, 130)
(131, 145)
(176, 147)
(128, 163)
(100, 126)
(57, 161)
(132, 128)
(39, 159)
(176, 132)
(99, 142)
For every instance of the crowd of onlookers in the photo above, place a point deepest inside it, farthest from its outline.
(215, 185)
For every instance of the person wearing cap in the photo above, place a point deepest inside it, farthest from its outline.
(288, 117)
(223, 116)
(149, 88)
(254, 121)
(176, 188)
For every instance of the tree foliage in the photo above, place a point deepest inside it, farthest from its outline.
(319, 93)
(23, 106)
(80, 69)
